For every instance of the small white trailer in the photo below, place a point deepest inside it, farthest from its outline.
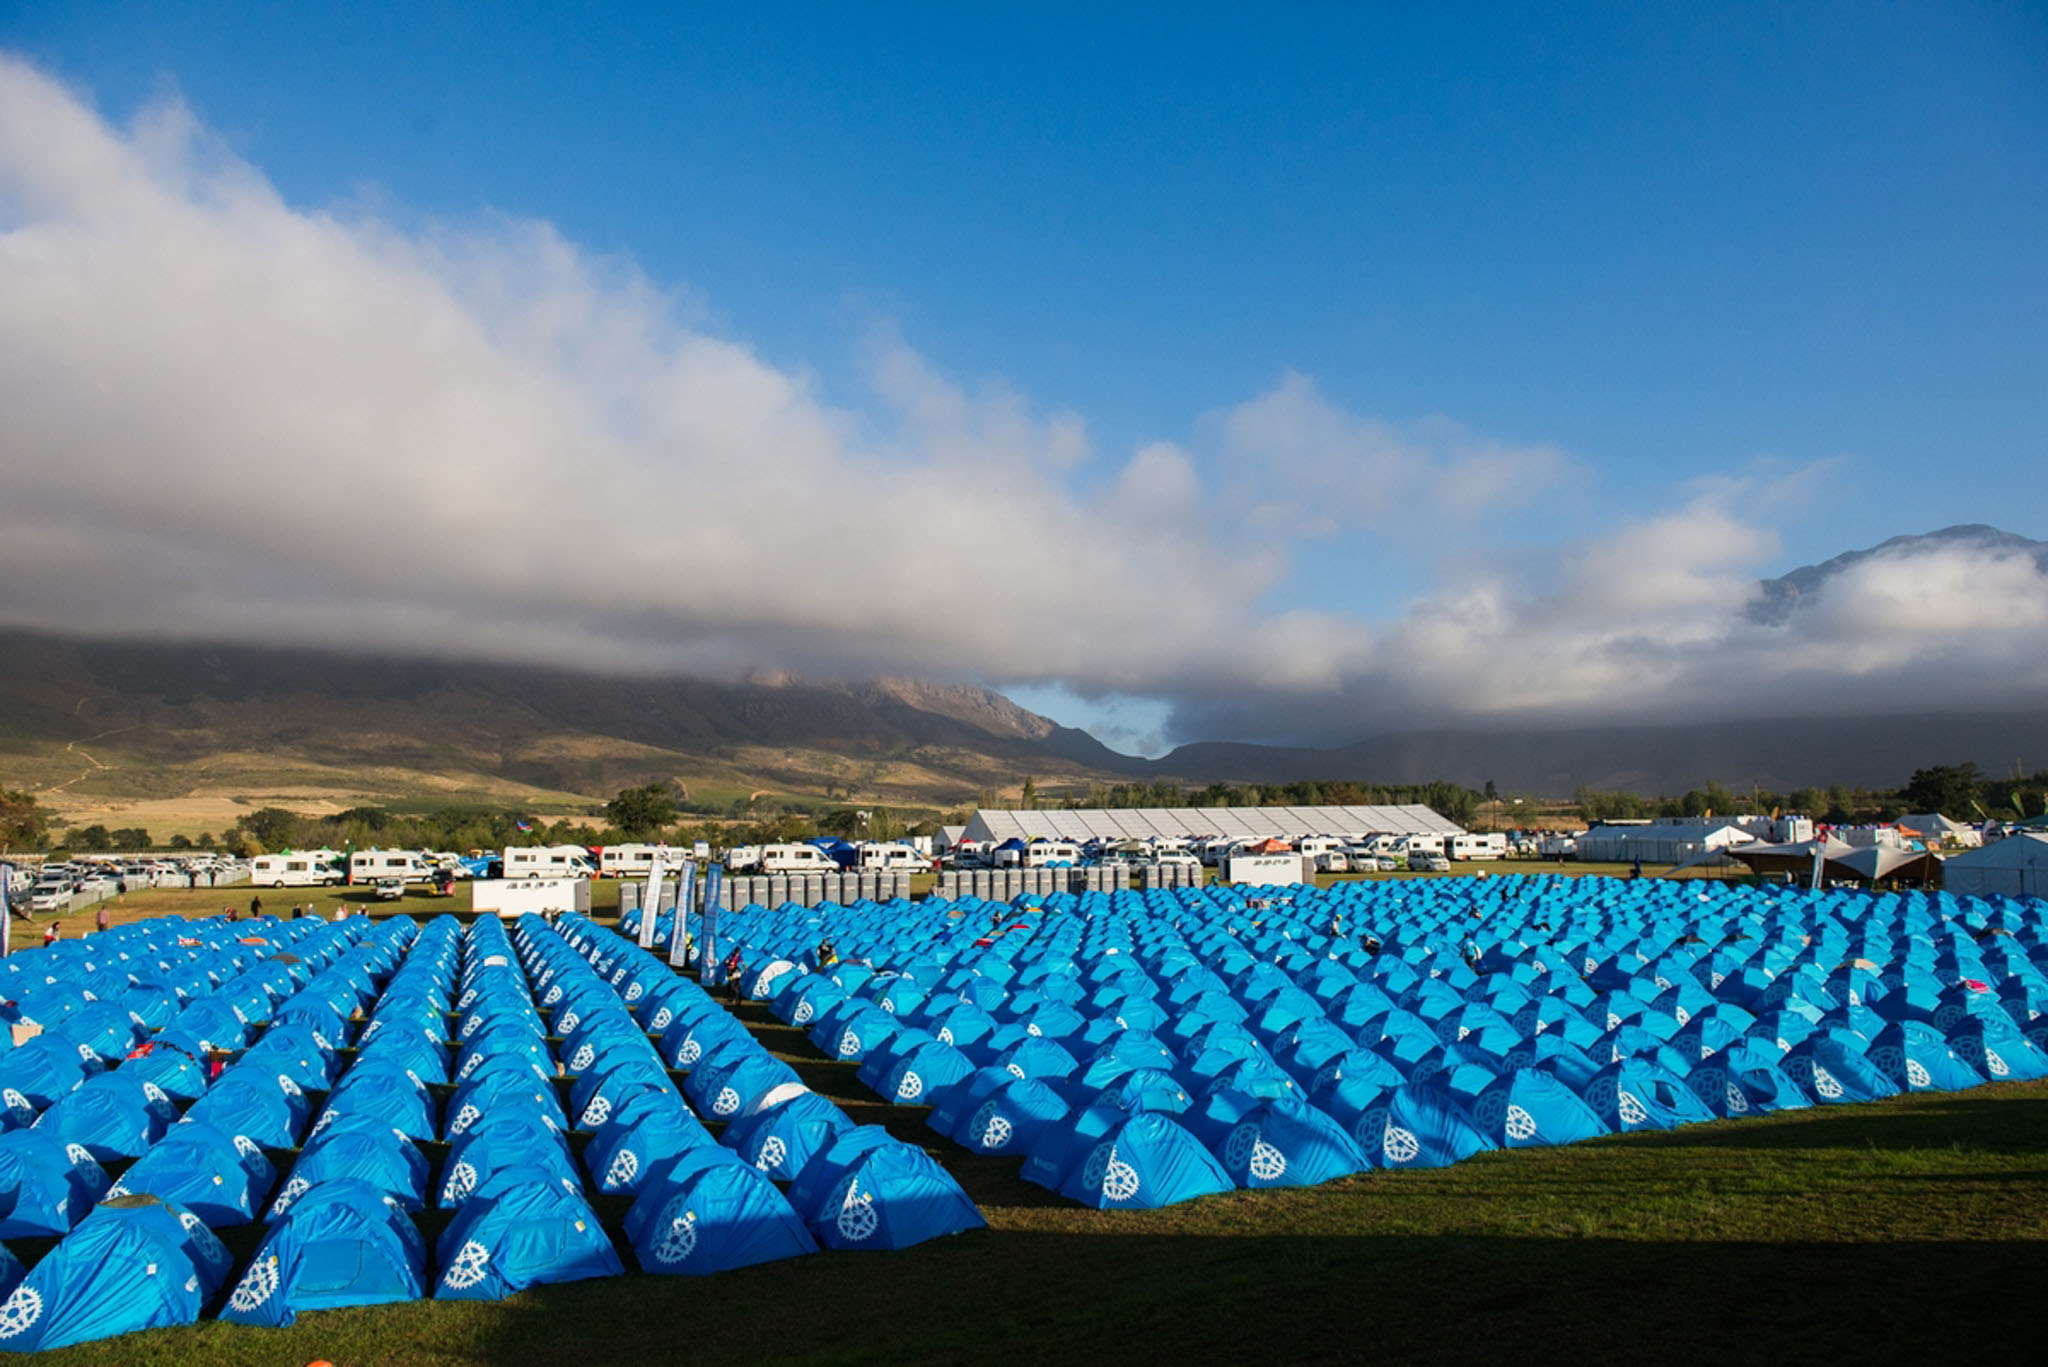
(509, 898)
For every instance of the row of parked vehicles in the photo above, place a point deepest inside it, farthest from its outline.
(55, 885)
(1328, 853)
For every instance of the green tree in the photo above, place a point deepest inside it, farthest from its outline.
(1950, 789)
(641, 812)
(1030, 795)
(93, 839)
(274, 828)
(22, 819)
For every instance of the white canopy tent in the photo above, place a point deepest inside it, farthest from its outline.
(2016, 866)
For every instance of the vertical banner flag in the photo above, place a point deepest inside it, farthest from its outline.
(6, 914)
(707, 943)
(650, 905)
(679, 936)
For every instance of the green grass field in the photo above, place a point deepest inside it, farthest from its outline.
(1909, 1230)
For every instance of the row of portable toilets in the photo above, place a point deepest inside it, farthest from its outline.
(1142, 1048)
(330, 1083)
(1003, 885)
(803, 889)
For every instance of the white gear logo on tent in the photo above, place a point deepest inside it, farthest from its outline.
(474, 1062)
(464, 1118)
(1520, 1124)
(467, 1267)
(679, 1240)
(17, 1102)
(1630, 1109)
(726, 1102)
(1119, 1179)
(994, 1129)
(690, 1052)
(257, 1285)
(1826, 1083)
(597, 1112)
(471, 1026)
(910, 1088)
(804, 1012)
(661, 1020)
(945, 1034)
(634, 992)
(857, 1220)
(585, 1056)
(289, 1087)
(22, 1309)
(461, 1182)
(1917, 1074)
(1265, 1162)
(293, 1190)
(1401, 1145)
(1997, 1066)
(246, 1146)
(568, 1022)
(625, 1166)
(1738, 1103)
(774, 1153)
(849, 1044)
(156, 1095)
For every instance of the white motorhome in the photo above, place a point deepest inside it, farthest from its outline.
(885, 857)
(548, 861)
(636, 861)
(1051, 854)
(796, 859)
(303, 869)
(1326, 852)
(408, 866)
(1493, 845)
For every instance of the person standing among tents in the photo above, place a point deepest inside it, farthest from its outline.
(827, 956)
(51, 934)
(255, 907)
(104, 920)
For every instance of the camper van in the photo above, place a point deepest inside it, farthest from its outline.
(796, 859)
(1051, 854)
(1327, 853)
(1470, 846)
(885, 857)
(636, 861)
(548, 861)
(304, 869)
(370, 866)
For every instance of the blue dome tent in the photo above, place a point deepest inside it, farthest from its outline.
(522, 1226)
(891, 1196)
(133, 1263)
(46, 1185)
(344, 1243)
(709, 1211)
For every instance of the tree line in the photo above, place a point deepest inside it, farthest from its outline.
(1961, 792)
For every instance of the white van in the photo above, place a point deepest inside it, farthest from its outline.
(1051, 854)
(1469, 846)
(636, 861)
(887, 857)
(407, 866)
(305, 869)
(1326, 853)
(796, 859)
(548, 861)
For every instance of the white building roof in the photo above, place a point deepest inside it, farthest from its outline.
(1189, 823)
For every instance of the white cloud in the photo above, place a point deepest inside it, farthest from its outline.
(1312, 468)
(225, 415)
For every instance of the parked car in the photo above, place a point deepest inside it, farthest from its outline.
(390, 889)
(1423, 861)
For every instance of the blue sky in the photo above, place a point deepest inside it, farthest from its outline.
(1783, 262)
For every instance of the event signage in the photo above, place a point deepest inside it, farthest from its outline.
(679, 935)
(650, 907)
(707, 946)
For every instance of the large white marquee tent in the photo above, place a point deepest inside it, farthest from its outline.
(1194, 823)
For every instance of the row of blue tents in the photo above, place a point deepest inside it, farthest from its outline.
(1137, 1049)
